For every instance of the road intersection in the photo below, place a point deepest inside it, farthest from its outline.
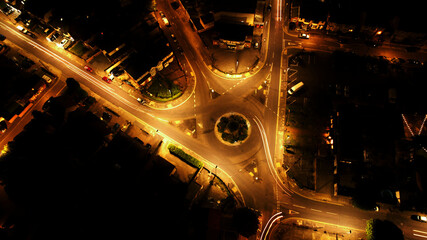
(271, 194)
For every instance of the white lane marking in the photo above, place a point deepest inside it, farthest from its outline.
(332, 213)
(316, 210)
(419, 231)
(268, 155)
(298, 206)
(418, 235)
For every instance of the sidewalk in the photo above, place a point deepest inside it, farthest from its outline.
(214, 172)
(294, 228)
(332, 36)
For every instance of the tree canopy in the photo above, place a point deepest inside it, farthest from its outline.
(245, 221)
(377, 229)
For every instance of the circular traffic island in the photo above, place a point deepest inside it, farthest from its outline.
(232, 129)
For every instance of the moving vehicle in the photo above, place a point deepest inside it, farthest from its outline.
(140, 100)
(295, 88)
(304, 35)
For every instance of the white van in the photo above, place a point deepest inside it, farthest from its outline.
(295, 88)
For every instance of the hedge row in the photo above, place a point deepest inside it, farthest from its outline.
(178, 152)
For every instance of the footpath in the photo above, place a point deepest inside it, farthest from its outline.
(301, 229)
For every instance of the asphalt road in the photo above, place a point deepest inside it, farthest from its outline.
(269, 194)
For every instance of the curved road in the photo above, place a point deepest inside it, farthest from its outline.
(269, 194)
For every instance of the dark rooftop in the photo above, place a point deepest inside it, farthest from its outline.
(242, 6)
(233, 32)
(403, 16)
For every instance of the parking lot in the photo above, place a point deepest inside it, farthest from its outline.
(340, 114)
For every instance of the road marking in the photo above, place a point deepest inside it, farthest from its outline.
(332, 213)
(293, 212)
(419, 231)
(418, 235)
(316, 210)
(276, 192)
(298, 206)
(269, 157)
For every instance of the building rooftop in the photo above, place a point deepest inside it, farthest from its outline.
(242, 6)
(233, 32)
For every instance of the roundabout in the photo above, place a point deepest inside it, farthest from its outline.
(232, 129)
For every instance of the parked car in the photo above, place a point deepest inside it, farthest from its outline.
(377, 208)
(3, 125)
(106, 117)
(47, 79)
(2, 37)
(106, 79)
(8, 10)
(173, 37)
(164, 19)
(116, 127)
(47, 104)
(3, 48)
(54, 37)
(295, 88)
(89, 69)
(419, 218)
(31, 34)
(117, 71)
(63, 42)
(415, 62)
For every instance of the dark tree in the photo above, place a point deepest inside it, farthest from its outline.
(364, 196)
(72, 84)
(245, 221)
(377, 229)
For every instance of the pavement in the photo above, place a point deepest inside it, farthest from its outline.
(302, 229)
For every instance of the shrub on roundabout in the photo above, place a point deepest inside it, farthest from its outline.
(233, 128)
